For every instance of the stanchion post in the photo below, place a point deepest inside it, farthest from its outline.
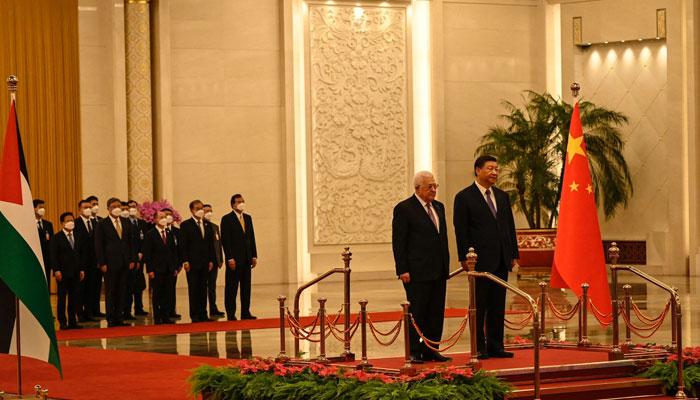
(474, 350)
(628, 308)
(584, 316)
(408, 368)
(536, 371)
(679, 351)
(543, 302)
(347, 256)
(674, 330)
(283, 354)
(364, 364)
(616, 352)
(322, 312)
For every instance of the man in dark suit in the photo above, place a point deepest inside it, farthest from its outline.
(85, 234)
(198, 259)
(136, 283)
(161, 263)
(68, 263)
(214, 273)
(483, 220)
(177, 238)
(238, 240)
(115, 258)
(419, 242)
(45, 234)
(95, 283)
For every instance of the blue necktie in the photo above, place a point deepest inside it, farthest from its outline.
(490, 202)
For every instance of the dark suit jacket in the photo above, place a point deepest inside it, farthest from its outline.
(45, 240)
(217, 244)
(87, 242)
(157, 256)
(418, 247)
(197, 250)
(109, 248)
(475, 226)
(238, 245)
(66, 260)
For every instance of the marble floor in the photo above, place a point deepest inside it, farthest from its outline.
(386, 295)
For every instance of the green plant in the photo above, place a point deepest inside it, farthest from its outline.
(531, 149)
(667, 373)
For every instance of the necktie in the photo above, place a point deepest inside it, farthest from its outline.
(119, 228)
(240, 218)
(70, 240)
(201, 229)
(165, 240)
(89, 226)
(41, 228)
(432, 215)
(490, 202)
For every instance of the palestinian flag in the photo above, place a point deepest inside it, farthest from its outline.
(21, 263)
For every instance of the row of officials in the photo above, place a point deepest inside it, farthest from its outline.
(122, 248)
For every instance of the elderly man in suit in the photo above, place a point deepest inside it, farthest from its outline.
(419, 242)
(161, 262)
(483, 219)
(198, 258)
(68, 263)
(116, 257)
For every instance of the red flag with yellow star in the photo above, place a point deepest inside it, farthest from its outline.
(578, 255)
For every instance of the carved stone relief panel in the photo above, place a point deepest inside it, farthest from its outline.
(358, 85)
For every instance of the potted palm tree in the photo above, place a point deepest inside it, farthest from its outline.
(531, 147)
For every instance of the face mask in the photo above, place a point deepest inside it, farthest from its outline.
(116, 212)
(163, 222)
(95, 209)
(41, 212)
(133, 212)
(69, 225)
(87, 213)
(199, 213)
(169, 219)
(241, 207)
(125, 214)
(208, 216)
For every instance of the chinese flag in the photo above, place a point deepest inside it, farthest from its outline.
(579, 256)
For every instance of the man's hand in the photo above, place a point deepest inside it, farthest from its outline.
(232, 264)
(176, 272)
(58, 276)
(405, 277)
(211, 265)
(465, 265)
(151, 275)
(82, 275)
(187, 266)
(103, 268)
(255, 262)
(131, 265)
(140, 256)
(514, 265)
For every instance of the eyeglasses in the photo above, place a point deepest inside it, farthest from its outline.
(432, 186)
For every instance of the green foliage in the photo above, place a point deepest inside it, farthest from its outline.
(531, 151)
(667, 373)
(226, 383)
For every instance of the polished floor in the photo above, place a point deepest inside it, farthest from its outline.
(386, 295)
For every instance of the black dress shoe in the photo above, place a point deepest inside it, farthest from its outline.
(416, 358)
(167, 321)
(435, 356)
(217, 313)
(232, 318)
(175, 316)
(74, 326)
(121, 323)
(64, 327)
(141, 313)
(501, 354)
(205, 319)
(99, 314)
(249, 317)
(85, 318)
(129, 317)
(482, 356)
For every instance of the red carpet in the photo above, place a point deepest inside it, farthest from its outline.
(216, 326)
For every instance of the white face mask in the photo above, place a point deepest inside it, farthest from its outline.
(87, 213)
(69, 225)
(208, 216)
(241, 207)
(199, 213)
(116, 212)
(95, 210)
(125, 214)
(133, 212)
(163, 222)
(41, 212)
(169, 219)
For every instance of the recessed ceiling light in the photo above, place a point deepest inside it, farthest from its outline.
(605, 42)
(639, 39)
(622, 41)
(658, 38)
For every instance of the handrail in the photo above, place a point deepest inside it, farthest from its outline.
(471, 261)
(347, 256)
(676, 314)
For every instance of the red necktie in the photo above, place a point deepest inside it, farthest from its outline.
(165, 241)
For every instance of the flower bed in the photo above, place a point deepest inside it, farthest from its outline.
(264, 379)
(667, 371)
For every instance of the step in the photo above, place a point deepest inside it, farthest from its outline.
(591, 389)
(567, 372)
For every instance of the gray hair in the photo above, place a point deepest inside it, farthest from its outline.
(420, 177)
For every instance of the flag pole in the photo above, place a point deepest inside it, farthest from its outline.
(12, 87)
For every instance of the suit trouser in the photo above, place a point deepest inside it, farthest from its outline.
(242, 277)
(133, 291)
(162, 286)
(211, 289)
(115, 281)
(173, 295)
(68, 287)
(47, 270)
(197, 290)
(94, 290)
(490, 311)
(427, 300)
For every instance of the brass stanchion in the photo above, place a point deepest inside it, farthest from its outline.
(679, 351)
(471, 263)
(347, 256)
(408, 368)
(674, 330)
(322, 311)
(283, 354)
(364, 364)
(628, 309)
(616, 352)
(543, 301)
(584, 316)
